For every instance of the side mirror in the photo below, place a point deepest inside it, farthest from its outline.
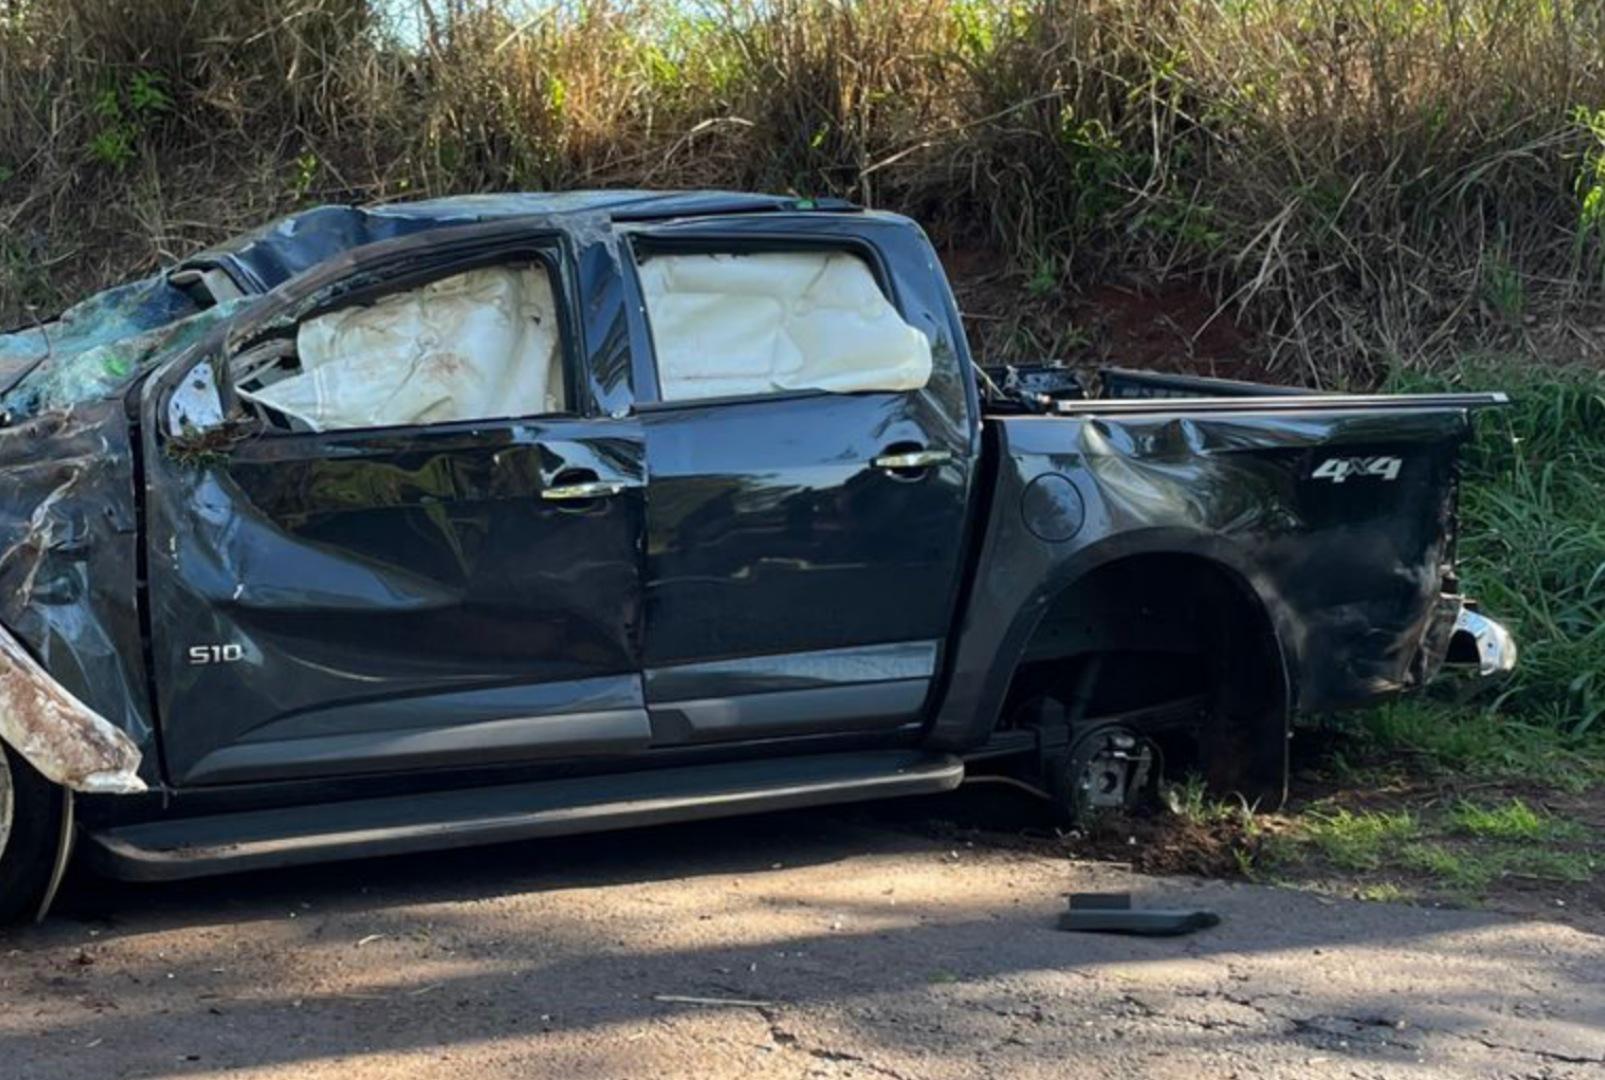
(195, 404)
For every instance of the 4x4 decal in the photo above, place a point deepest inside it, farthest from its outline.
(1339, 469)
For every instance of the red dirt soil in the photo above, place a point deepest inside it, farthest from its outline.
(1174, 327)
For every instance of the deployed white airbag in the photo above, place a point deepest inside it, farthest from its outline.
(472, 346)
(728, 325)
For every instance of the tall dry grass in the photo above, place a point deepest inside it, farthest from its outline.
(1368, 183)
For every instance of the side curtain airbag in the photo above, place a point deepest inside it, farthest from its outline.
(729, 324)
(477, 345)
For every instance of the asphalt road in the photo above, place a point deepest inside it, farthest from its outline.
(825, 944)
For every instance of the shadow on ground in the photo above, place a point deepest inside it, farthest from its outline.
(864, 941)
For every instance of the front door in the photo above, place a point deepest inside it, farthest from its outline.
(419, 573)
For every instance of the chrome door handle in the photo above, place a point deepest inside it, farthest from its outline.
(913, 459)
(595, 489)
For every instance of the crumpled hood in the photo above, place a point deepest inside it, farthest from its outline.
(97, 348)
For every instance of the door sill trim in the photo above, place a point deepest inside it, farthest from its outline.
(173, 849)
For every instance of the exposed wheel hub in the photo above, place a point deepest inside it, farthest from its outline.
(1111, 768)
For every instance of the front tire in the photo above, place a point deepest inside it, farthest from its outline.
(31, 809)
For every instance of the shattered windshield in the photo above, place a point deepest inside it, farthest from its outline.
(98, 346)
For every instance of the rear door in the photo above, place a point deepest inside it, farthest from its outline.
(425, 554)
(809, 478)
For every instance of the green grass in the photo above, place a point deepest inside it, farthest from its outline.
(1460, 871)
(1472, 870)
(1476, 739)
(1551, 865)
(1513, 820)
(1461, 852)
(1357, 840)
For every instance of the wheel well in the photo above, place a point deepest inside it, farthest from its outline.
(1179, 647)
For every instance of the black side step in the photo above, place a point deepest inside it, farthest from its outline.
(261, 839)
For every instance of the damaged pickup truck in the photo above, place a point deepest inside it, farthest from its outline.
(406, 527)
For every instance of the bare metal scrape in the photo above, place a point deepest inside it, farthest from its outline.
(67, 741)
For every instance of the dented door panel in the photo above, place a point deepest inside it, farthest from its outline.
(378, 600)
(1349, 572)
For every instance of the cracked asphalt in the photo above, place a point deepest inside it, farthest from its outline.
(819, 944)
